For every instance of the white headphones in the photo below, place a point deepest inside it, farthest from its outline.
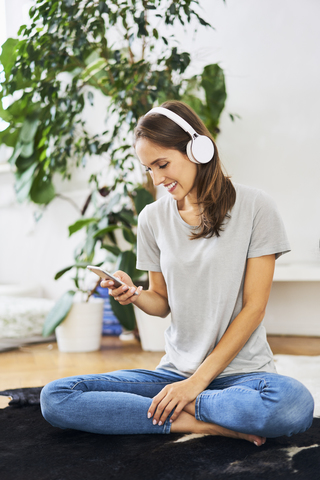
(200, 149)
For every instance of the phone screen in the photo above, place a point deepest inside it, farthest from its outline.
(105, 275)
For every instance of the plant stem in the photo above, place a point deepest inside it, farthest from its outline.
(67, 199)
(93, 290)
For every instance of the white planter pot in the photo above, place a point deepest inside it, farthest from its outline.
(81, 330)
(151, 330)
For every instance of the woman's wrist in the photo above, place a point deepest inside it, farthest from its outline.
(152, 303)
(197, 383)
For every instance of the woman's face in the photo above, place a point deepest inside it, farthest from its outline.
(168, 167)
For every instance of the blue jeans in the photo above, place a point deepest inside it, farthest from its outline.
(265, 404)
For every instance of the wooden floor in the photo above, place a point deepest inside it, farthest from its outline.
(36, 365)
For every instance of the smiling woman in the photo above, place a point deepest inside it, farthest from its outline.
(173, 170)
(210, 248)
(204, 193)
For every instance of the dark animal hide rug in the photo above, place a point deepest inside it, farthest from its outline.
(32, 449)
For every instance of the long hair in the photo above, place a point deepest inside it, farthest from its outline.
(216, 194)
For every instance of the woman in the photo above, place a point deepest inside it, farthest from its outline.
(210, 249)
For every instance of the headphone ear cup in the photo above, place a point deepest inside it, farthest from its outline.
(202, 149)
(189, 152)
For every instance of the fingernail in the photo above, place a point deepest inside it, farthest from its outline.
(140, 289)
(149, 415)
(171, 420)
(124, 288)
(160, 423)
(132, 290)
(256, 443)
(111, 282)
(154, 422)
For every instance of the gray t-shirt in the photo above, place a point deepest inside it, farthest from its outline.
(205, 277)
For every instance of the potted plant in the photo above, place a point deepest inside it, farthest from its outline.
(111, 228)
(100, 233)
(76, 318)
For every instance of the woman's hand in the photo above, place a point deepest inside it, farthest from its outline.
(176, 395)
(124, 294)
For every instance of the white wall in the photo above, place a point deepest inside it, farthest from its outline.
(269, 50)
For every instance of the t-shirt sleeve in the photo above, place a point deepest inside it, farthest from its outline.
(268, 232)
(148, 253)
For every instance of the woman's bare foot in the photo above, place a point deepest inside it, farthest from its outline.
(187, 423)
(217, 430)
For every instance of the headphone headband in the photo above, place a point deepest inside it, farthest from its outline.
(200, 149)
(175, 118)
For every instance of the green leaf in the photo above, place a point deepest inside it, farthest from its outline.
(16, 152)
(93, 68)
(9, 136)
(28, 130)
(27, 150)
(127, 262)
(128, 217)
(42, 190)
(23, 164)
(112, 248)
(8, 54)
(196, 104)
(21, 29)
(42, 142)
(4, 114)
(233, 116)
(124, 313)
(24, 182)
(90, 243)
(58, 313)
(64, 270)
(142, 198)
(80, 224)
(215, 90)
(129, 236)
(103, 231)
(211, 83)
(21, 82)
(90, 97)
(112, 203)
(43, 155)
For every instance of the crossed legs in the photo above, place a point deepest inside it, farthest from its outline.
(257, 405)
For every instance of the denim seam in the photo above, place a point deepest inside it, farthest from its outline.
(197, 407)
(232, 384)
(219, 392)
(118, 381)
(167, 424)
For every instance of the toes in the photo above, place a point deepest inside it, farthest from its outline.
(259, 441)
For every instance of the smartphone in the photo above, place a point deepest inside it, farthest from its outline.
(107, 276)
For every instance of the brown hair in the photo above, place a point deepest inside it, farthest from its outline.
(216, 194)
